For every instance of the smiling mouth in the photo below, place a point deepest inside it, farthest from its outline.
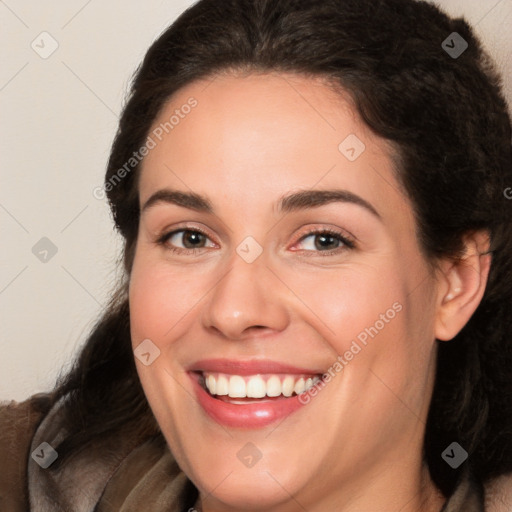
(243, 389)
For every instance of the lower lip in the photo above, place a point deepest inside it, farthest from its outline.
(250, 415)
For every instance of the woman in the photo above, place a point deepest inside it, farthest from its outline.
(317, 306)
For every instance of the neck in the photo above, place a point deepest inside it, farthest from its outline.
(424, 496)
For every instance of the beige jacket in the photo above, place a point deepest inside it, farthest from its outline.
(123, 475)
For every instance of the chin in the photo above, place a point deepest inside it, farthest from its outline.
(255, 492)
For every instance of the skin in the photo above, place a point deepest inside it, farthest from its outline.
(357, 445)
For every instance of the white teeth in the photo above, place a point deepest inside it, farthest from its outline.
(300, 386)
(255, 386)
(221, 386)
(212, 384)
(236, 387)
(288, 384)
(274, 386)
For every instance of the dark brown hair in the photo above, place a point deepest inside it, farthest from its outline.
(448, 121)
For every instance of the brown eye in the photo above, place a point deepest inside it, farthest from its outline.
(184, 240)
(191, 239)
(325, 241)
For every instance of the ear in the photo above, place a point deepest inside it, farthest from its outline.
(461, 285)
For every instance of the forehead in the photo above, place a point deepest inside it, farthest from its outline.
(261, 135)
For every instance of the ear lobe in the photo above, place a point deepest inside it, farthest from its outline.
(461, 286)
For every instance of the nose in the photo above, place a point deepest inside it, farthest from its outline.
(246, 301)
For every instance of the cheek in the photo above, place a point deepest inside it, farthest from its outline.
(344, 304)
(376, 317)
(161, 298)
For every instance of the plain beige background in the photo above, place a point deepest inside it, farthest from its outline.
(58, 117)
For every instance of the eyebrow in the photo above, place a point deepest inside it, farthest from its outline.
(291, 202)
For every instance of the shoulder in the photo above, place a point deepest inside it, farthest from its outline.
(18, 422)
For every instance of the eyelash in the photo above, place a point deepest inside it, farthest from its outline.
(348, 243)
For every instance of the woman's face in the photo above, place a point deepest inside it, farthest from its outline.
(300, 260)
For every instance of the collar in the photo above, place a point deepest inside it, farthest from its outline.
(468, 495)
(120, 473)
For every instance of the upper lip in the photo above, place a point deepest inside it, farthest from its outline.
(248, 367)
